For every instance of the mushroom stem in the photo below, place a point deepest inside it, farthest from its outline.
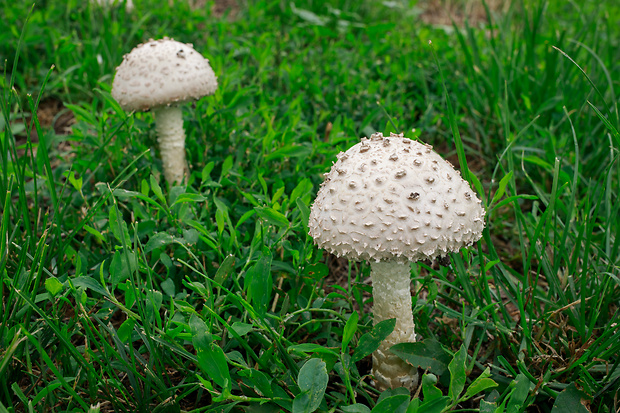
(171, 139)
(391, 292)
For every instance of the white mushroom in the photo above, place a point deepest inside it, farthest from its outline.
(391, 200)
(160, 75)
(107, 3)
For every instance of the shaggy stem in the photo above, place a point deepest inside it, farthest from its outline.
(171, 139)
(391, 283)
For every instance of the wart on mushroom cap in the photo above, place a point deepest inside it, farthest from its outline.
(391, 201)
(160, 75)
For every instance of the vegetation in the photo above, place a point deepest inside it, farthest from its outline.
(119, 293)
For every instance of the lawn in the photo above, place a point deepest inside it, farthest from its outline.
(120, 292)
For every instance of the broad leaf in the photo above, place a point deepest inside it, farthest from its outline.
(349, 329)
(225, 269)
(570, 400)
(125, 330)
(502, 188)
(240, 328)
(355, 408)
(262, 384)
(427, 354)
(311, 348)
(435, 405)
(211, 358)
(118, 227)
(518, 395)
(312, 381)
(158, 240)
(370, 341)
(392, 404)
(457, 373)
(429, 390)
(258, 283)
(53, 286)
(482, 383)
(89, 283)
(272, 216)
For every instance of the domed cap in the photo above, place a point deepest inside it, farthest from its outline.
(394, 199)
(160, 73)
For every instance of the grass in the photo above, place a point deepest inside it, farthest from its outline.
(125, 295)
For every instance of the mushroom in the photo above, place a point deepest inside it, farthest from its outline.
(160, 75)
(392, 201)
(106, 3)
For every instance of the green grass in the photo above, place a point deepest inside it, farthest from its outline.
(118, 290)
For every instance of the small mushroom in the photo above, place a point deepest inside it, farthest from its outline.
(160, 75)
(107, 3)
(390, 256)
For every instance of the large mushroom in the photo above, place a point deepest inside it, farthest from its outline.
(392, 201)
(160, 75)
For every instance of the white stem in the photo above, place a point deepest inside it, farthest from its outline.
(391, 283)
(171, 139)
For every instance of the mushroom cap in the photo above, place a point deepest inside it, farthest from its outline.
(161, 73)
(392, 198)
